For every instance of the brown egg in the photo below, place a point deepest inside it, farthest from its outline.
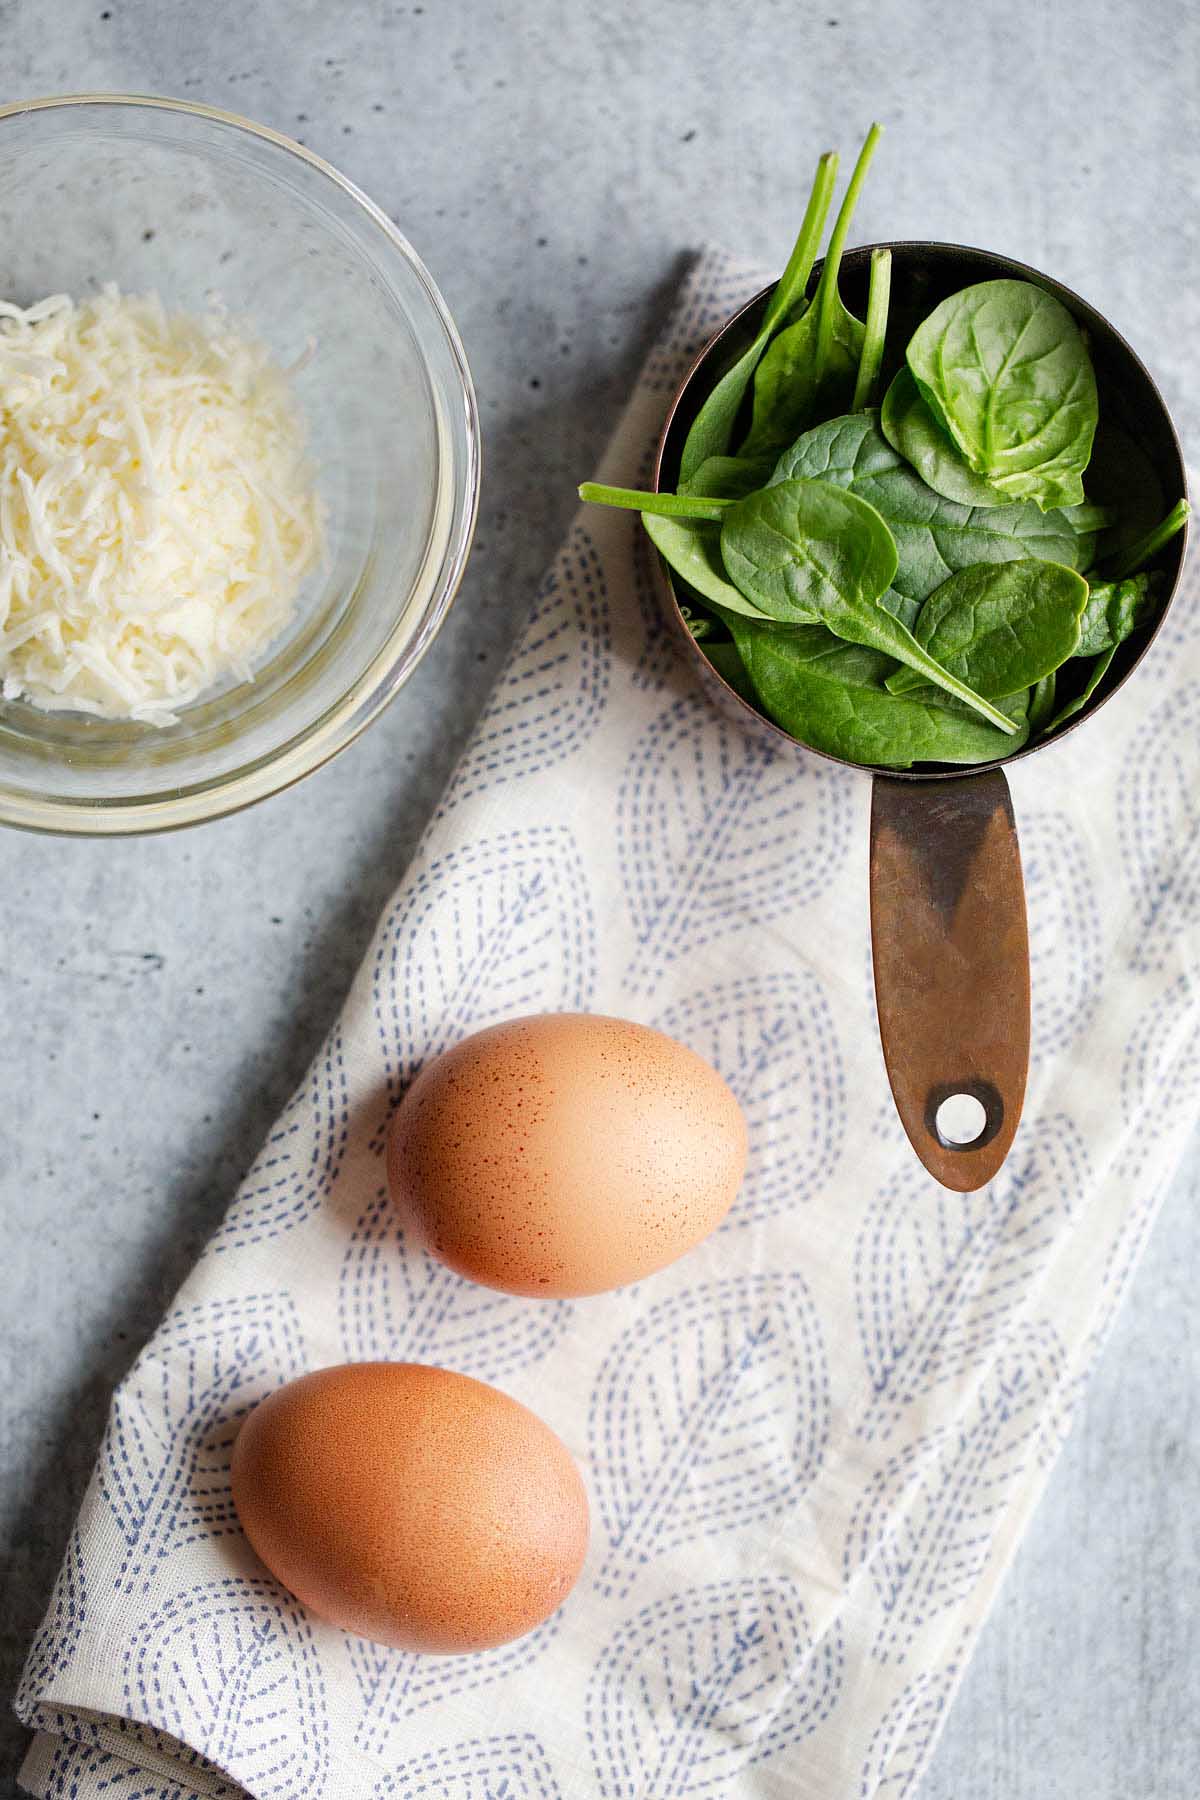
(565, 1154)
(411, 1505)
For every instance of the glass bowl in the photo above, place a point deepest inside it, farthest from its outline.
(199, 205)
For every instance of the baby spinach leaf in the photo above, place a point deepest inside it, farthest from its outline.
(1015, 707)
(830, 695)
(810, 552)
(912, 430)
(712, 429)
(900, 607)
(1087, 521)
(682, 529)
(1041, 702)
(1000, 626)
(726, 660)
(1088, 517)
(818, 356)
(1114, 610)
(1099, 670)
(1154, 540)
(729, 477)
(692, 548)
(1004, 369)
(934, 536)
(909, 426)
(874, 330)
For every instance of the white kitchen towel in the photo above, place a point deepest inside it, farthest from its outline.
(813, 1444)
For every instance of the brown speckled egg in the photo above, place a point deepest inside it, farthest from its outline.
(565, 1154)
(411, 1505)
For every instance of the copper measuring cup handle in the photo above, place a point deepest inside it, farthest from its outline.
(950, 942)
(950, 948)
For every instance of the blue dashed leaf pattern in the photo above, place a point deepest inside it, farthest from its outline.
(483, 933)
(393, 1685)
(400, 1304)
(711, 1412)
(229, 1669)
(513, 1767)
(1158, 802)
(555, 684)
(775, 1040)
(661, 655)
(1160, 1083)
(938, 1276)
(1066, 952)
(73, 1770)
(298, 1165)
(694, 1688)
(923, 1528)
(164, 1464)
(904, 1740)
(1162, 1058)
(708, 820)
(59, 1633)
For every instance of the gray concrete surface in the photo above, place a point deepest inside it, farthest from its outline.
(161, 997)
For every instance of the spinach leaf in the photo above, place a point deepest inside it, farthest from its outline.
(1004, 369)
(1154, 540)
(875, 329)
(1041, 701)
(726, 660)
(900, 607)
(812, 553)
(830, 695)
(1088, 521)
(693, 550)
(1088, 517)
(682, 528)
(1000, 626)
(1015, 707)
(1099, 670)
(729, 477)
(934, 536)
(712, 429)
(817, 358)
(910, 427)
(1114, 610)
(808, 553)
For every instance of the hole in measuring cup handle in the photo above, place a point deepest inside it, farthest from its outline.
(942, 1124)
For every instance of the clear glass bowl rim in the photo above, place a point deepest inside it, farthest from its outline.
(401, 652)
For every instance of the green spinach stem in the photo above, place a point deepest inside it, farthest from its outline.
(875, 330)
(793, 282)
(827, 295)
(667, 506)
(1149, 545)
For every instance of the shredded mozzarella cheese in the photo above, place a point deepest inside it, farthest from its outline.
(157, 510)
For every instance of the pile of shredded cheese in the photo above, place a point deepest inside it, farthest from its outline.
(157, 511)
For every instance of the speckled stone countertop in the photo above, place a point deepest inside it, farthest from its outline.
(162, 996)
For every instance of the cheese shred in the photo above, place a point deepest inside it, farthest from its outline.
(158, 513)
